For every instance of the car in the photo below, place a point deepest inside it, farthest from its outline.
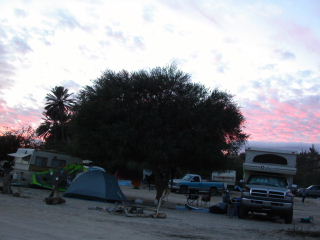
(311, 191)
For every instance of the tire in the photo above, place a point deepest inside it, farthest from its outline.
(183, 189)
(288, 217)
(213, 191)
(243, 212)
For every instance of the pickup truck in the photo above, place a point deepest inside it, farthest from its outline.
(194, 183)
(268, 175)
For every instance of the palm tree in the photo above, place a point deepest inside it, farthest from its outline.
(57, 114)
(45, 130)
(59, 104)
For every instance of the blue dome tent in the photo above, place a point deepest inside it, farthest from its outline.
(95, 185)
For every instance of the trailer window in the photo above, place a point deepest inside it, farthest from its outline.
(41, 161)
(56, 163)
(270, 158)
(26, 159)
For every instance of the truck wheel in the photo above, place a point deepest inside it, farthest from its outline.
(183, 189)
(243, 212)
(288, 217)
(213, 191)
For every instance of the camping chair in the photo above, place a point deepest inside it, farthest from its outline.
(193, 199)
(205, 199)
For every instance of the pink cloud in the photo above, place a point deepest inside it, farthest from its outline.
(300, 34)
(18, 117)
(278, 121)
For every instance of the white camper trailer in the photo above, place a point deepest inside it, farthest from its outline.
(228, 177)
(27, 161)
(270, 161)
(268, 175)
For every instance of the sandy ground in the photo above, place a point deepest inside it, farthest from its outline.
(29, 217)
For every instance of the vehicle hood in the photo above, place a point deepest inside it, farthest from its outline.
(269, 188)
(177, 181)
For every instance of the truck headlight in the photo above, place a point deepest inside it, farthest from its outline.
(289, 196)
(245, 192)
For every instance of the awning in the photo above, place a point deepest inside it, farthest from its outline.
(20, 155)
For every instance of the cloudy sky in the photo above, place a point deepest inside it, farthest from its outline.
(264, 52)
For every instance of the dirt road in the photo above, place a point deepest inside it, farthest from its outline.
(30, 218)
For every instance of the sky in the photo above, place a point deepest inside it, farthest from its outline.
(265, 53)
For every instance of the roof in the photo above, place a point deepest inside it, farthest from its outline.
(22, 152)
(270, 150)
(20, 155)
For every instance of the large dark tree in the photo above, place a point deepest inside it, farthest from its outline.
(57, 114)
(156, 119)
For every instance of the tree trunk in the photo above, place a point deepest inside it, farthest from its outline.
(161, 182)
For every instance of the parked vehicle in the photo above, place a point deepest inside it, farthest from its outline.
(228, 177)
(268, 176)
(28, 161)
(194, 182)
(311, 191)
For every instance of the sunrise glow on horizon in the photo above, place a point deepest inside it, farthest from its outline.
(264, 53)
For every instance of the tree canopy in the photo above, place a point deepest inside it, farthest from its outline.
(157, 119)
